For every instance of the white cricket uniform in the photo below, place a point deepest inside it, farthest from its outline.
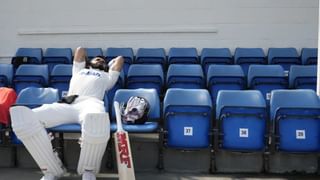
(90, 85)
(88, 110)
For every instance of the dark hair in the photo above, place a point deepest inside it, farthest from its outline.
(104, 68)
(102, 57)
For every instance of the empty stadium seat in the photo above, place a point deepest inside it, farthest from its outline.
(27, 56)
(189, 76)
(126, 53)
(6, 73)
(53, 56)
(30, 75)
(93, 52)
(151, 95)
(151, 56)
(284, 57)
(145, 76)
(60, 78)
(295, 117)
(183, 56)
(247, 56)
(224, 77)
(303, 77)
(187, 118)
(215, 56)
(241, 118)
(266, 78)
(309, 56)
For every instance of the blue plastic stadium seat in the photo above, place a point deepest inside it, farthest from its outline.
(284, 57)
(6, 73)
(30, 75)
(247, 56)
(183, 56)
(187, 118)
(242, 120)
(295, 115)
(151, 56)
(34, 96)
(54, 56)
(225, 77)
(145, 76)
(309, 56)
(266, 78)
(33, 56)
(303, 77)
(151, 95)
(215, 56)
(60, 78)
(189, 76)
(93, 52)
(127, 54)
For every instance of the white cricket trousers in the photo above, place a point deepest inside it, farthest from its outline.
(55, 114)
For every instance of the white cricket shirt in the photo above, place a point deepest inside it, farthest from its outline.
(91, 82)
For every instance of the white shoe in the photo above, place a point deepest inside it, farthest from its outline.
(88, 175)
(48, 176)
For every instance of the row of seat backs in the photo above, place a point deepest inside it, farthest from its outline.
(242, 120)
(241, 117)
(178, 76)
(243, 56)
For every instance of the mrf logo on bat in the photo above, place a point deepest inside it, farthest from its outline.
(123, 149)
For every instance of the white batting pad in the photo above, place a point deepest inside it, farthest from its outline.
(94, 139)
(35, 138)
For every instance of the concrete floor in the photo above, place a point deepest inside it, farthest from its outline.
(34, 174)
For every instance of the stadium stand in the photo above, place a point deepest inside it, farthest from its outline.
(309, 56)
(215, 56)
(225, 77)
(145, 76)
(295, 118)
(303, 77)
(54, 56)
(30, 75)
(248, 56)
(6, 74)
(188, 76)
(183, 56)
(151, 56)
(284, 57)
(60, 78)
(127, 54)
(266, 78)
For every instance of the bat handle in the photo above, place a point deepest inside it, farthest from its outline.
(118, 115)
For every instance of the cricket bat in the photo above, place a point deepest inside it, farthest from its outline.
(123, 150)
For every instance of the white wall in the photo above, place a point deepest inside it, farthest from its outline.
(157, 23)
